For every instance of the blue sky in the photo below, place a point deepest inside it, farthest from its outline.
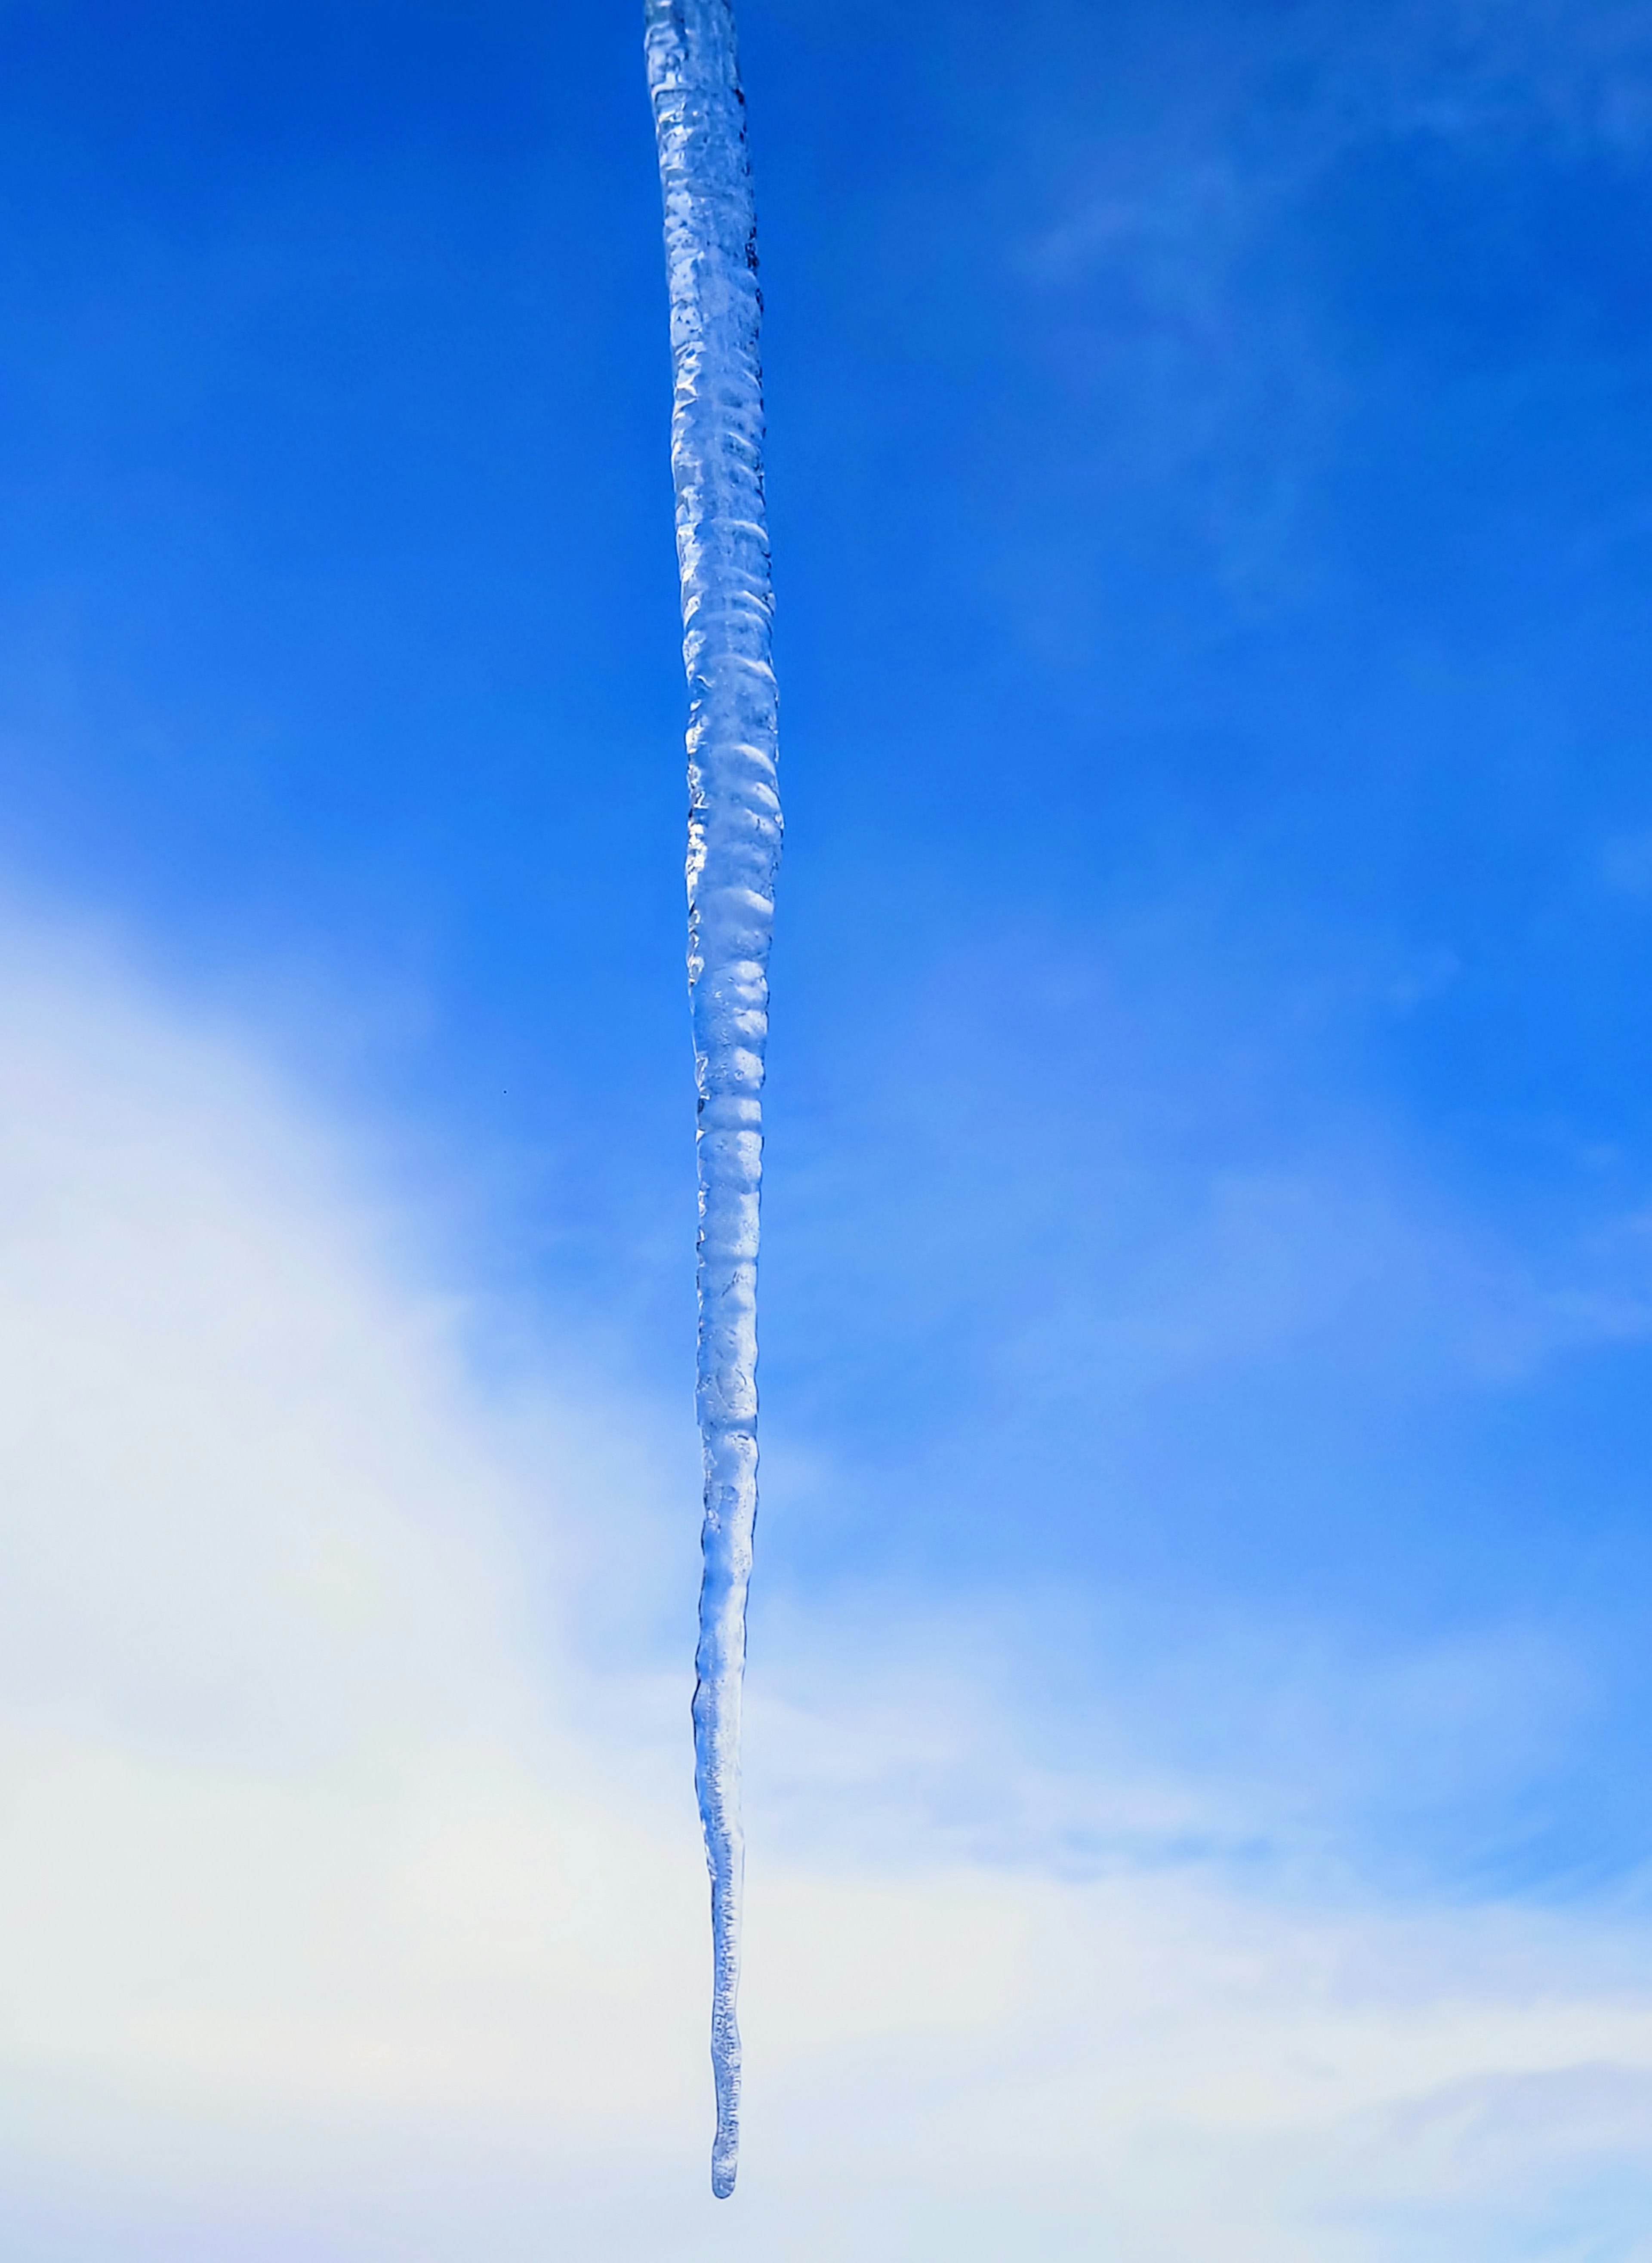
(1208, 1282)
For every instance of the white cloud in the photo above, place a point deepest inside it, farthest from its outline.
(334, 1924)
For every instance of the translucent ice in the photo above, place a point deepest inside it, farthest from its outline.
(717, 457)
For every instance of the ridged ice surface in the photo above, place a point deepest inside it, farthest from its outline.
(717, 457)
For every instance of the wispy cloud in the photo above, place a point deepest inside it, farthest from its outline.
(1179, 268)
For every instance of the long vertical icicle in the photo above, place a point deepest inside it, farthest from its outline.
(716, 459)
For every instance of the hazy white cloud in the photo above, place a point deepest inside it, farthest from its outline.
(351, 1902)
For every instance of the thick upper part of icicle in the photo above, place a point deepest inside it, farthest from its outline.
(734, 829)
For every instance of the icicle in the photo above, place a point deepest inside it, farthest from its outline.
(717, 441)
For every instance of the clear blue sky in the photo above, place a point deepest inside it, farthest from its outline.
(1209, 1234)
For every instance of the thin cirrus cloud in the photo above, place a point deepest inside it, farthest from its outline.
(1235, 275)
(351, 1902)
